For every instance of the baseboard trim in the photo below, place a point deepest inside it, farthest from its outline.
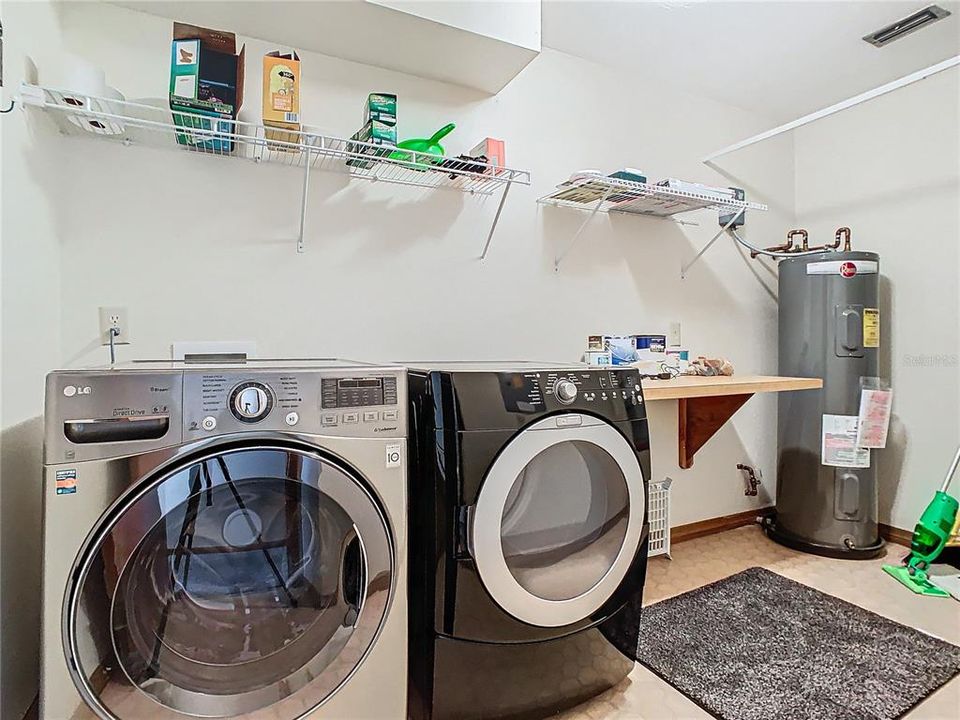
(711, 526)
(895, 534)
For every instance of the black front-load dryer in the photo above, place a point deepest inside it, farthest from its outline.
(528, 536)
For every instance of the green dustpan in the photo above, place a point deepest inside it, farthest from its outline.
(427, 146)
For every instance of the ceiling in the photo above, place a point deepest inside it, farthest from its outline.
(778, 59)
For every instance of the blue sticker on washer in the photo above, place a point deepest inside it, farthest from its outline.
(66, 482)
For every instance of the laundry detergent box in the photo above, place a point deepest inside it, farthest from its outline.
(281, 98)
(206, 86)
(379, 129)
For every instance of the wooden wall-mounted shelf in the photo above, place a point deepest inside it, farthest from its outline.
(706, 403)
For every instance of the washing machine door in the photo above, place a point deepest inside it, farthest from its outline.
(558, 519)
(251, 581)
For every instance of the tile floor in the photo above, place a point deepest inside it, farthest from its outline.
(644, 696)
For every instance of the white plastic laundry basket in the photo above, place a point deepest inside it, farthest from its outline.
(658, 513)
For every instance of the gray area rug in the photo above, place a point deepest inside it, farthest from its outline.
(758, 646)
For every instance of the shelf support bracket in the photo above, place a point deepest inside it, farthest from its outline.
(583, 225)
(684, 269)
(699, 419)
(303, 200)
(496, 219)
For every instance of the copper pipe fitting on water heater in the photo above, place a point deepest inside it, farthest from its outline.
(803, 238)
(787, 246)
(845, 233)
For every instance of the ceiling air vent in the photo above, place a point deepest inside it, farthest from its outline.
(907, 25)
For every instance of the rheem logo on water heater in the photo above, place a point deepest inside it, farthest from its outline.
(848, 269)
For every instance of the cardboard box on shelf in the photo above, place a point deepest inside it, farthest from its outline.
(383, 108)
(372, 133)
(597, 357)
(206, 86)
(379, 129)
(621, 348)
(493, 150)
(656, 343)
(281, 98)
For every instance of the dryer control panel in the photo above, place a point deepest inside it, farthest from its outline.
(538, 391)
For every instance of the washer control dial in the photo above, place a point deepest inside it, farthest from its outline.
(565, 391)
(251, 402)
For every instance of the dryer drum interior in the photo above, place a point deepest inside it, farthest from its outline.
(560, 537)
(559, 520)
(229, 584)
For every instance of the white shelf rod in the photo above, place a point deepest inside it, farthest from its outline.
(843, 105)
(496, 219)
(303, 205)
(583, 225)
(685, 268)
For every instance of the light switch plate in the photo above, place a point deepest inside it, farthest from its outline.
(673, 337)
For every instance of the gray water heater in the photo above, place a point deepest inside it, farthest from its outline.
(829, 328)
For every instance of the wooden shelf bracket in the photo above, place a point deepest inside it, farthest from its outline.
(700, 418)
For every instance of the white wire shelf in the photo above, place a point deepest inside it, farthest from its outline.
(595, 192)
(137, 123)
(598, 192)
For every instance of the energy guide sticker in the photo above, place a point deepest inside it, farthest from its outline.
(66, 482)
(871, 327)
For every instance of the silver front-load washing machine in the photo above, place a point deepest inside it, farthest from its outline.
(225, 541)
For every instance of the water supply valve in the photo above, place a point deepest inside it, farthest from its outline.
(753, 478)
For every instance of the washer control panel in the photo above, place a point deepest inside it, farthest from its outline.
(318, 402)
(358, 392)
(251, 401)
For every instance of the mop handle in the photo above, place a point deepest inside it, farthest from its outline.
(951, 472)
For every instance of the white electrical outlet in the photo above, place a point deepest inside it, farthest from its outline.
(674, 337)
(114, 318)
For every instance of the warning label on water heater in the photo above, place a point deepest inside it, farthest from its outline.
(839, 442)
(871, 327)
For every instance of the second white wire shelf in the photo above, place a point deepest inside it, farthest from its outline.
(137, 123)
(596, 192)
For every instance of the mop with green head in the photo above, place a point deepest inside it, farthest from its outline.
(929, 538)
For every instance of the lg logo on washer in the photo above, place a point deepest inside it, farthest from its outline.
(71, 390)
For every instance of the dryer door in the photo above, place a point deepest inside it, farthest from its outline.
(558, 520)
(251, 581)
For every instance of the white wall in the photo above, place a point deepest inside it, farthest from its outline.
(30, 325)
(890, 169)
(393, 273)
(202, 248)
